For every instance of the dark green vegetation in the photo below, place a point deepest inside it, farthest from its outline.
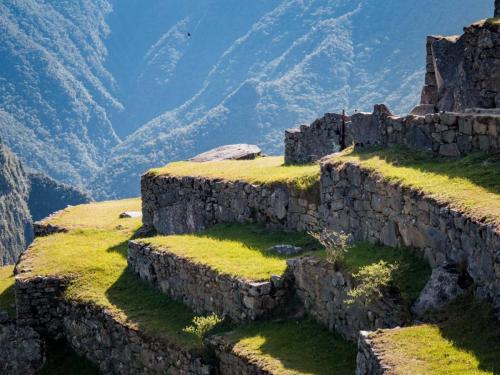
(7, 298)
(61, 360)
(235, 249)
(464, 338)
(470, 184)
(294, 347)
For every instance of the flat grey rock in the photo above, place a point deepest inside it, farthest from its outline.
(229, 152)
(286, 250)
(130, 214)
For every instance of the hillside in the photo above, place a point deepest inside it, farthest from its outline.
(78, 77)
(15, 219)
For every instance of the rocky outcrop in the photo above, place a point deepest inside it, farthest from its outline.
(21, 348)
(447, 134)
(48, 195)
(204, 289)
(497, 8)
(358, 201)
(16, 231)
(464, 71)
(116, 347)
(323, 290)
(172, 204)
(229, 152)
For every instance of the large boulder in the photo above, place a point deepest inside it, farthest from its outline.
(229, 152)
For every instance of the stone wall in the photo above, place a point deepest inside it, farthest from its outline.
(361, 202)
(323, 291)
(230, 363)
(464, 71)
(93, 332)
(447, 134)
(369, 360)
(190, 204)
(202, 288)
(309, 143)
(21, 349)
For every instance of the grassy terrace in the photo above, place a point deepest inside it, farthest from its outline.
(237, 250)
(7, 299)
(464, 340)
(294, 347)
(264, 170)
(94, 253)
(470, 184)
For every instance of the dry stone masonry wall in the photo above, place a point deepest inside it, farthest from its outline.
(361, 202)
(369, 360)
(324, 291)
(93, 332)
(202, 288)
(447, 134)
(173, 205)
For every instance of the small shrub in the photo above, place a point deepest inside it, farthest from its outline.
(202, 325)
(336, 244)
(371, 281)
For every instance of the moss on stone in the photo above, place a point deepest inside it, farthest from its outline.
(264, 170)
(470, 184)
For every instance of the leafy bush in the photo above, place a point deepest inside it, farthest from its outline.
(202, 325)
(336, 244)
(371, 281)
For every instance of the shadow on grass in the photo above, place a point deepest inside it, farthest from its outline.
(471, 325)
(61, 360)
(8, 300)
(150, 310)
(479, 168)
(301, 346)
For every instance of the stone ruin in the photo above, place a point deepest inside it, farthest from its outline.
(349, 198)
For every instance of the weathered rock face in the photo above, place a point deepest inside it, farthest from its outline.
(190, 204)
(229, 152)
(464, 71)
(497, 8)
(204, 289)
(324, 293)
(21, 348)
(16, 231)
(94, 333)
(358, 201)
(442, 287)
(447, 134)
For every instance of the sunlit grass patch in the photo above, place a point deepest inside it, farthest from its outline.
(93, 254)
(238, 250)
(465, 339)
(294, 347)
(470, 184)
(265, 170)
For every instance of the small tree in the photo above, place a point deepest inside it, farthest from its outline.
(336, 244)
(371, 281)
(202, 325)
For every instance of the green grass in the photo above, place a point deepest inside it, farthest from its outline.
(294, 347)
(464, 340)
(7, 300)
(237, 250)
(61, 360)
(470, 184)
(94, 253)
(265, 171)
